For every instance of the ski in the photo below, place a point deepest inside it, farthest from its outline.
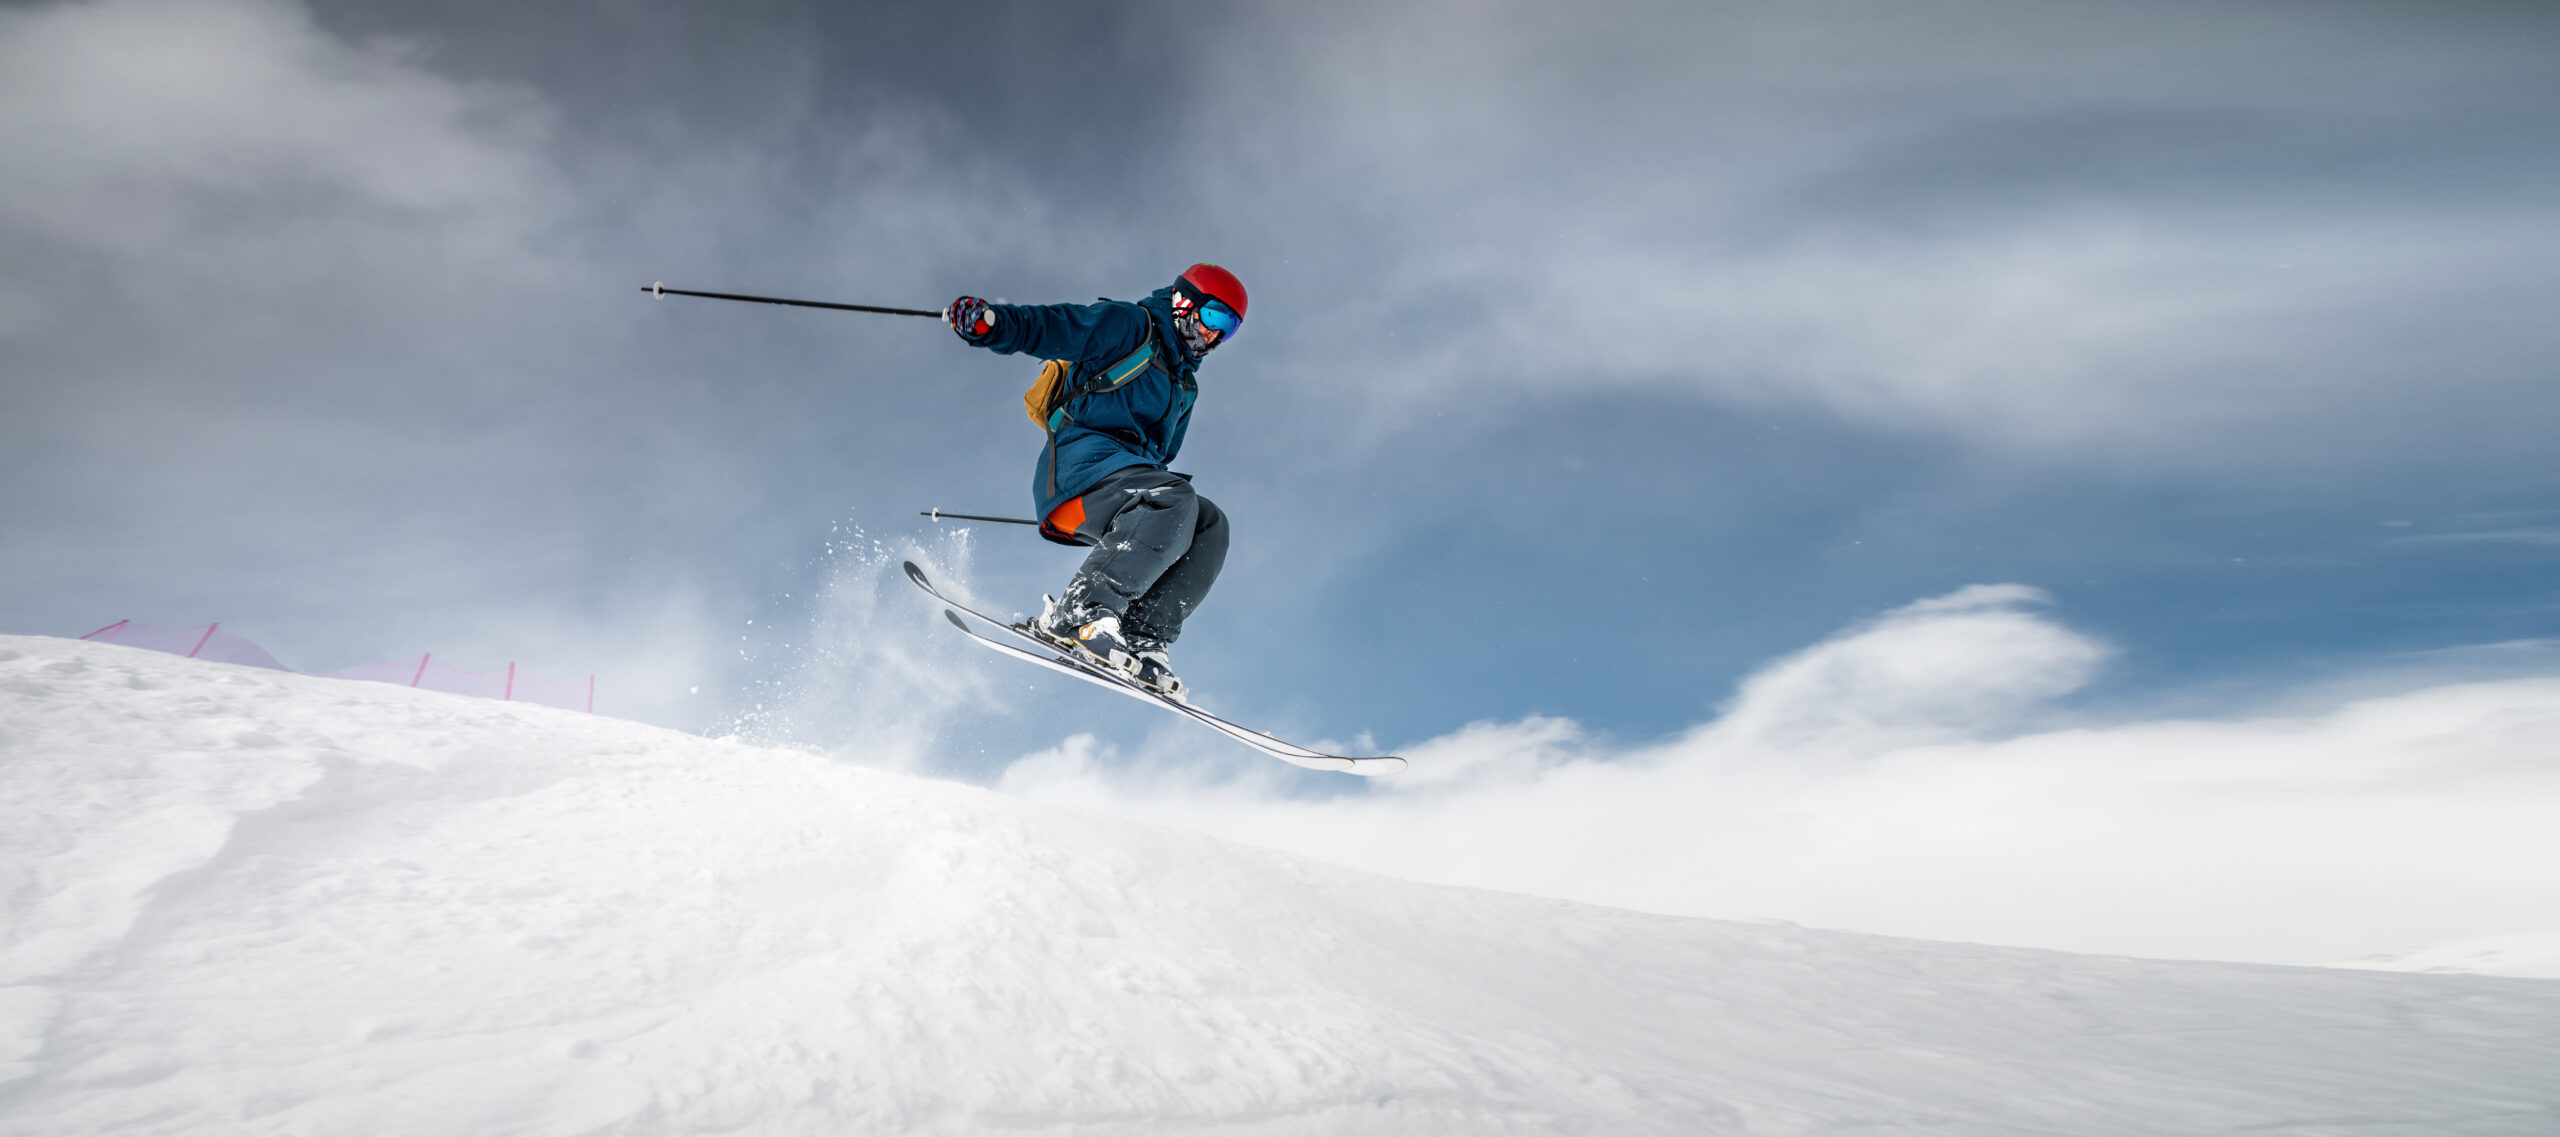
(1295, 755)
(1030, 649)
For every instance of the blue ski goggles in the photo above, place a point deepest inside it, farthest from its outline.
(1217, 317)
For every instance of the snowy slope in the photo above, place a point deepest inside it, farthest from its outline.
(245, 902)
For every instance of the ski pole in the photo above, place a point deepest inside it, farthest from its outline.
(661, 291)
(938, 515)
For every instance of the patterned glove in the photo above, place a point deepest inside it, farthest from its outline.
(970, 317)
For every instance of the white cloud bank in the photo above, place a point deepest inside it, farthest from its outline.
(2525, 955)
(1914, 776)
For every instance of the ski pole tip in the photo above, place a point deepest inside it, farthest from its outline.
(658, 290)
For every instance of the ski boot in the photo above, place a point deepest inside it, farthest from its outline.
(1155, 673)
(1096, 640)
(1101, 640)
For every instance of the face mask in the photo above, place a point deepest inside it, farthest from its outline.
(1196, 320)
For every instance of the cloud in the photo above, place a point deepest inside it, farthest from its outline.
(260, 238)
(1916, 775)
(342, 345)
(2515, 527)
(239, 128)
(2078, 230)
(1956, 665)
(336, 334)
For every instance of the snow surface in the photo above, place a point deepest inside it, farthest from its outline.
(240, 901)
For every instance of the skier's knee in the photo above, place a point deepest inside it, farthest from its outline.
(1210, 527)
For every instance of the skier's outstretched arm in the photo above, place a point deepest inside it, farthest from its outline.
(1050, 331)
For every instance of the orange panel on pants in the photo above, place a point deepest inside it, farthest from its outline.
(1066, 519)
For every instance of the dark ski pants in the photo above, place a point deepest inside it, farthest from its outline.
(1157, 547)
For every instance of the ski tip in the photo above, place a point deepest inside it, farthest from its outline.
(955, 619)
(1376, 767)
(917, 575)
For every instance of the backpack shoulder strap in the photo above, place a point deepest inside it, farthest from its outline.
(1125, 370)
(1118, 374)
(1131, 364)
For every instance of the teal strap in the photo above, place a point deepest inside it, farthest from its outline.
(1113, 377)
(1128, 369)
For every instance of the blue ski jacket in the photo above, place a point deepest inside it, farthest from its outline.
(1139, 423)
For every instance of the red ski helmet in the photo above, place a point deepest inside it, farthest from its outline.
(1215, 283)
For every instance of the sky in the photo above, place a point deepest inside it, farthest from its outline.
(1605, 363)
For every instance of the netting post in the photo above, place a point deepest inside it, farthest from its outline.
(421, 676)
(108, 628)
(205, 639)
(591, 694)
(511, 683)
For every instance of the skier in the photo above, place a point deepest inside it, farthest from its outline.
(1116, 422)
